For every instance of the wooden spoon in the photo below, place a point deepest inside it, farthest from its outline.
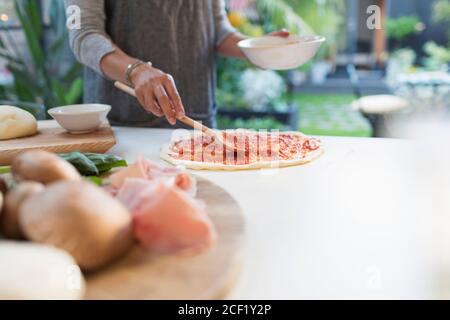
(187, 120)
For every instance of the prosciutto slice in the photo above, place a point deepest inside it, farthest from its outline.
(146, 169)
(166, 219)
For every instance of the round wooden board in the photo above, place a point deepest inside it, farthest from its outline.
(143, 275)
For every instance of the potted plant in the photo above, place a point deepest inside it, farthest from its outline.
(44, 72)
(400, 29)
(261, 95)
(249, 97)
(438, 57)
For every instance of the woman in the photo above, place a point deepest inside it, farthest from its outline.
(165, 49)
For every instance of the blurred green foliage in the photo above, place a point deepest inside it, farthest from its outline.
(319, 114)
(229, 92)
(278, 14)
(271, 15)
(326, 18)
(441, 14)
(402, 27)
(437, 56)
(268, 123)
(42, 74)
(330, 115)
(441, 11)
(317, 99)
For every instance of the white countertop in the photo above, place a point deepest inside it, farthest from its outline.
(343, 226)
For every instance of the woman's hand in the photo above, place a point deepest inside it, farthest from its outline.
(157, 93)
(229, 46)
(284, 33)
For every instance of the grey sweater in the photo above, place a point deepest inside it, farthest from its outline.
(177, 36)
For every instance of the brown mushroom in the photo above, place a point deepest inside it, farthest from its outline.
(42, 166)
(9, 220)
(80, 218)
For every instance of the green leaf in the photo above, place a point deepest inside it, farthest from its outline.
(50, 78)
(59, 92)
(2, 43)
(402, 27)
(3, 93)
(57, 45)
(10, 58)
(75, 91)
(103, 168)
(26, 88)
(106, 162)
(73, 73)
(22, 92)
(33, 34)
(95, 180)
(81, 162)
(93, 164)
(33, 82)
(34, 14)
(284, 16)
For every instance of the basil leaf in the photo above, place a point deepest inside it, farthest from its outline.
(93, 164)
(95, 180)
(82, 163)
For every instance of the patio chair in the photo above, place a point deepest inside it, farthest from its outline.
(374, 107)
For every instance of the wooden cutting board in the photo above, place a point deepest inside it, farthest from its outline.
(143, 275)
(53, 138)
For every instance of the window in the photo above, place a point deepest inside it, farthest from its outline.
(8, 17)
(7, 13)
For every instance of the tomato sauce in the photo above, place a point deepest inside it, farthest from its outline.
(249, 147)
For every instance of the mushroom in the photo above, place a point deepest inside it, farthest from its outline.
(42, 166)
(81, 218)
(9, 220)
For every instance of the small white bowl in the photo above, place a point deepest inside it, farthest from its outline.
(278, 53)
(80, 118)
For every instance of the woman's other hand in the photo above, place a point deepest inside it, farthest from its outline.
(284, 33)
(229, 46)
(157, 92)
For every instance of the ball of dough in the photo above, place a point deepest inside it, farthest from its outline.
(34, 271)
(16, 123)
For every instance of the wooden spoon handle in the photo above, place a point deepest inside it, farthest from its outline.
(197, 125)
(185, 119)
(127, 89)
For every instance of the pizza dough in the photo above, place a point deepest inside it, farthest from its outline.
(33, 271)
(16, 123)
(198, 165)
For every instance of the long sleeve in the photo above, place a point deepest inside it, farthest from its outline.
(222, 24)
(90, 43)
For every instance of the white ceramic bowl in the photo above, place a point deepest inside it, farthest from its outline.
(277, 53)
(80, 118)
